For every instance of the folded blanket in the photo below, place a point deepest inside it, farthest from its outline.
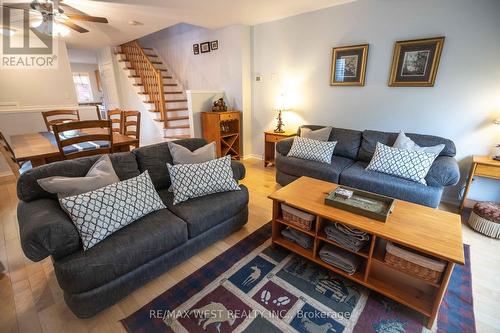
(349, 238)
(355, 233)
(298, 237)
(342, 259)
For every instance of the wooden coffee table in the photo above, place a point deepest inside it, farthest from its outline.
(431, 231)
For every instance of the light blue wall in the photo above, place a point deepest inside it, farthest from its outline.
(294, 55)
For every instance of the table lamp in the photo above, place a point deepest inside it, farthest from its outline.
(280, 107)
(496, 154)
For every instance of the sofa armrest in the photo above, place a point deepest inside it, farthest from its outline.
(284, 146)
(444, 172)
(239, 170)
(45, 230)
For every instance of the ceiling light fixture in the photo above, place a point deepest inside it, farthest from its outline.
(135, 23)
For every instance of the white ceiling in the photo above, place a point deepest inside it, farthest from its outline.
(159, 14)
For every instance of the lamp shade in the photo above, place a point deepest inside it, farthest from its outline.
(282, 103)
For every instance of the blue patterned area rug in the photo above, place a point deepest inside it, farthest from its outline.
(253, 287)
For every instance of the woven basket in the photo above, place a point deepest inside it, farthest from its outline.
(413, 263)
(297, 217)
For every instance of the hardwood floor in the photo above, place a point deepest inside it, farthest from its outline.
(31, 300)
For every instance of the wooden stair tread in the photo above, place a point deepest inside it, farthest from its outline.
(170, 110)
(156, 62)
(134, 76)
(177, 118)
(128, 67)
(176, 100)
(119, 53)
(147, 48)
(176, 126)
(177, 109)
(152, 55)
(173, 92)
(167, 76)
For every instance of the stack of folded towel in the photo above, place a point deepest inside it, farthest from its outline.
(350, 238)
(337, 257)
(298, 237)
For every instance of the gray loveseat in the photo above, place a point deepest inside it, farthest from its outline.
(97, 278)
(352, 154)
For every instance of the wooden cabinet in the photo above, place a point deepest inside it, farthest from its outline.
(223, 128)
(270, 139)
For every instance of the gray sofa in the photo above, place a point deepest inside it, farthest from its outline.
(352, 154)
(97, 278)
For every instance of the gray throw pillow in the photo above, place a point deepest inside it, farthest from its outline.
(196, 180)
(404, 142)
(403, 163)
(100, 174)
(321, 134)
(98, 214)
(314, 150)
(182, 155)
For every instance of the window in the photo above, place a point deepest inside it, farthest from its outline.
(83, 87)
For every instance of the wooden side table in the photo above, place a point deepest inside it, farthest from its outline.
(482, 166)
(270, 139)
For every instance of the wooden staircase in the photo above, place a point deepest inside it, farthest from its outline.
(163, 96)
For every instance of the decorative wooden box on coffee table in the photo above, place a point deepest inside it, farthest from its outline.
(430, 231)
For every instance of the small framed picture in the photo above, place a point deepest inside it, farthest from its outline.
(214, 45)
(196, 49)
(205, 47)
(415, 62)
(349, 65)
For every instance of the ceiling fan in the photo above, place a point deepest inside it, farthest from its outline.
(58, 12)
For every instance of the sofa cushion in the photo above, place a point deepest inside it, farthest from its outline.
(356, 176)
(370, 139)
(299, 167)
(28, 189)
(122, 252)
(203, 213)
(154, 158)
(348, 141)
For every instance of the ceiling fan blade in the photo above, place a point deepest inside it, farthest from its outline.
(73, 26)
(87, 18)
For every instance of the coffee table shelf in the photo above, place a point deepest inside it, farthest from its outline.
(430, 231)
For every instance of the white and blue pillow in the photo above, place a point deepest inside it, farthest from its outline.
(196, 180)
(99, 213)
(313, 150)
(408, 164)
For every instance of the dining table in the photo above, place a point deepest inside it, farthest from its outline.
(41, 147)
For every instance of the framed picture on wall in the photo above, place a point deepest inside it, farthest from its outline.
(196, 49)
(205, 47)
(415, 62)
(214, 45)
(349, 65)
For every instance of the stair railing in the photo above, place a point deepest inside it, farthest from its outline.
(151, 77)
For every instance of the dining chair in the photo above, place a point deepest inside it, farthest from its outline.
(59, 116)
(116, 116)
(8, 154)
(132, 119)
(88, 137)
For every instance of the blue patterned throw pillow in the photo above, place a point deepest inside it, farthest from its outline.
(403, 163)
(313, 150)
(196, 180)
(99, 213)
